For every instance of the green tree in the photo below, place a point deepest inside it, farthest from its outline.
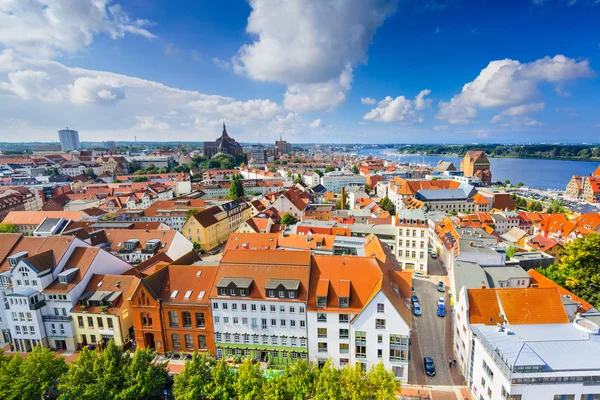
(329, 169)
(249, 381)
(355, 169)
(510, 252)
(220, 386)
(556, 207)
(140, 179)
(298, 179)
(289, 219)
(507, 182)
(40, 371)
(143, 377)
(90, 172)
(300, 380)
(327, 385)
(275, 388)
(289, 173)
(236, 189)
(8, 228)
(352, 383)
(520, 184)
(319, 172)
(578, 268)
(381, 383)
(134, 166)
(192, 382)
(272, 169)
(367, 190)
(387, 205)
(190, 212)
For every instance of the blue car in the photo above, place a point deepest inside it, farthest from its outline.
(429, 366)
(441, 310)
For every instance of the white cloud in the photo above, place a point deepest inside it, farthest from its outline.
(399, 109)
(49, 94)
(507, 83)
(524, 109)
(221, 63)
(311, 46)
(43, 28)
(368, 100)
(440, 128)
(315, 124)
(515, 121)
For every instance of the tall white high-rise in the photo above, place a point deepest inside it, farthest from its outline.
(69, 139)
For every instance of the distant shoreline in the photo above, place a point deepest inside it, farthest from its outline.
(593, 160)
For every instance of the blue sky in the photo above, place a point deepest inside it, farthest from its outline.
(354, 71)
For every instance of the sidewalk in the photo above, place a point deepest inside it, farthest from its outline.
(434, 392)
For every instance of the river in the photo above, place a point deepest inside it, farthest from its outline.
(536, 173)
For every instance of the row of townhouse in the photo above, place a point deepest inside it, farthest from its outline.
(280, 306)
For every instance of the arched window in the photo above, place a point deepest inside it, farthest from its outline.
(202, 342)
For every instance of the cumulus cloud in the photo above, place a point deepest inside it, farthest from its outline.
(399, 109)
(524, 109)
(508, 83)
(50, 94)
(368, 100)
(43, 28)
(515, 121)
(315, 124)
(311, 46)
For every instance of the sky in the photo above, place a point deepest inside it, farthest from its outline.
(310, 71)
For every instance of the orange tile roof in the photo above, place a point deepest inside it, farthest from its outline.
(118, 237)
(7, 242)
(323, 288)
(597, 171)
(517, 306)
(343, 289)
(126, 284)
(480, 199)
(308, 242)
(36, 217)
(36, 245)
(544, 282)
(82, 258)
(188, 278)
(542, 243)
(252, 241)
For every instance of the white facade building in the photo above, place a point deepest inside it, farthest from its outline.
(334, 181)
(412, 239)
(69, 139)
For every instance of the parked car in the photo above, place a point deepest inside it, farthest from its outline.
(414, 299)
(429, 366)
(416, 309)
(433, 254)
(418, 274)
(441, 300)
(441, 287)
(441, 311)
(215, 252)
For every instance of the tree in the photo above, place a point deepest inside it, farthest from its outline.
(272, 169)
(381, 383)
(507, 182)
(192, 382)
(367, 190)
(189, 213)
(319, 172)
(327, 385)
(298, 179)
(140, 179)
(300, 380)
(289, 219)
(289, 173)
(355, 169)
(387, 205)
(352, 383)
(8, 228)
(578, 268)
(556, 207)
(142, 377)
(90, 172)
(510, 252)
(275, 388)
(220, 387)
(329, 169)
(134, 166)
(342, 204)
(520, 184)
(236, 189)
(249, 381)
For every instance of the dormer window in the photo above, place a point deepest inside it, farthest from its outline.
(292, 294)
(282, 293)
(271, 293)
(321, 301)
(243, 292)
(232, 292)
(222, 291)
(62, 279)
(344, 302)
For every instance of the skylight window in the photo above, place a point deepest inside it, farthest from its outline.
(201, 295)
(100, 283)
(174, 294)
(187, 294)
(198, 273)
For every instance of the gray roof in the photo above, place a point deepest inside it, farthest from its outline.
(496, 275)
(442, 194)
(381, 229)
(556, 347)
(473, 246)
(469, 275)
(238, 282)
(289, 284)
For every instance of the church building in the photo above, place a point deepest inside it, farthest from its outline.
(224, 144)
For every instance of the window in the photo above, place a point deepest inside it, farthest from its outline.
(380, 307)
(176, 341)
(228, 338)
(321, 301)
(234, 307)
(202, 342)
(243, 292)
(218, 337)
(90, 322)
(322, 347)
(216, 306)
(254, 323)
(225, 320)
(302, 323)
(271, 293)
(272, 308)
(100, 323)
(263, 308)
(263, 324)
(379, 353)
(222, 291)
(483, 382)
(189, 342)
(344, 319)
(344, 348)
(589, 396)
(186, 316)
(17, 329)
(217, 320)
(93, 338)
(244, 321)
(564, 397)
(173, 319)
(273, 322)
(243, 307)
(322, 332)
(282, 293)
(292, 323)
(292, 294)
(265, 339)
(274, 340)
(224, 306)
(200, 322)
(232, 292)
(236, 338)
(321, 317)
(284, 341)
(253, 307)
(488, 370)
(109, 322)
(292, 309)
(246, 338)
(302, 342)
(344, 302)
(282, 309)
(282, 323)
(343, 333)
(379, 323)
(379, 338)
(301, 309)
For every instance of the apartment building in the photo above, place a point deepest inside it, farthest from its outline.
(412, 239)
(103, 311)
(506, 220)
(259, 305)
(358, 311)
(213, 225)
(41, 289)
(334, 181)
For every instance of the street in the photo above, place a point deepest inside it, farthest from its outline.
(428, 330)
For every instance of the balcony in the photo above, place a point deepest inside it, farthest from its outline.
(56, 318)
(37, 305)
